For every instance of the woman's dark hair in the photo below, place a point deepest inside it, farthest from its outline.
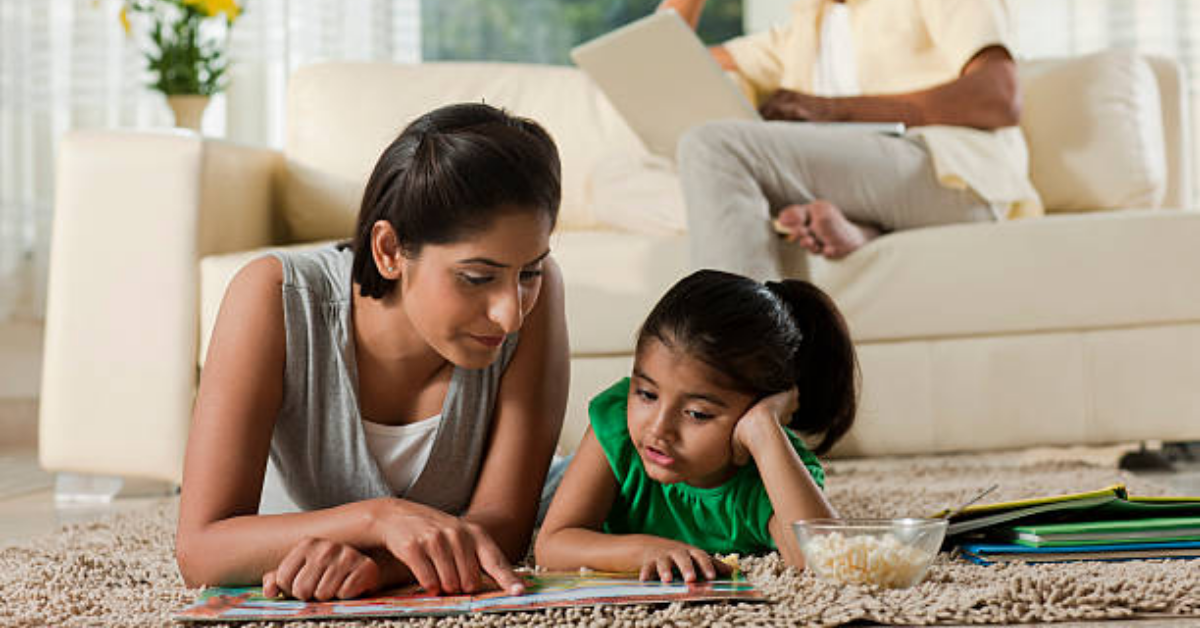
(447, 175)
(764, 339)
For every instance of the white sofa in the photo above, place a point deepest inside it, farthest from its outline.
(1077, 328)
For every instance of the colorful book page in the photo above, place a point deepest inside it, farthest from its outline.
(544, 590)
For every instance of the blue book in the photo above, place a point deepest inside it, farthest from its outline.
(991, 553)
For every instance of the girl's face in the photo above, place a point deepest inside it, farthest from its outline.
(463, 298)
(680, 420)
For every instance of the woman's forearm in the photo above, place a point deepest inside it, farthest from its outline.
(239, 550)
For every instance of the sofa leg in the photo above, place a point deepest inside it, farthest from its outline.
(1146, 460)
(87, 488)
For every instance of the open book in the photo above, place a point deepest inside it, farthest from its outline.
(545, 590)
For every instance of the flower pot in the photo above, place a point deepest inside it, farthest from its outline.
(189, 110)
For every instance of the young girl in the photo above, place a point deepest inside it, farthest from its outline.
(691, 456)
(408, 391)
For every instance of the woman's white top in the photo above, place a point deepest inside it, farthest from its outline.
(836, 71)
(401, 451)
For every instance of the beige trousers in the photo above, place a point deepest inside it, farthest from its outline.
(737, 175)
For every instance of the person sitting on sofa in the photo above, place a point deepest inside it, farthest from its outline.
(409, 390)
(941, 67)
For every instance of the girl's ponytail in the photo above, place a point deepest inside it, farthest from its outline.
(825, 367)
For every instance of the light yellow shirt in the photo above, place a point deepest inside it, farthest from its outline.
(906, 46)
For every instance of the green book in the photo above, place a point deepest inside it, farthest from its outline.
(1160, 529)
(990, 515)
(1107, 504)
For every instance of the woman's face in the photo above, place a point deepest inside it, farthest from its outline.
(680, 420)
(463, 298)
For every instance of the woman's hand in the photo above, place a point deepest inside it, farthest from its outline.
(322, 570)
(762, 419)
(661, 556)
(446, 554)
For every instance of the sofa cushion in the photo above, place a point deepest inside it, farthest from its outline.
(612, 280)
(638, 193)
(342, 115)
(1070, 272)
(1094, 128)
(1066, 272)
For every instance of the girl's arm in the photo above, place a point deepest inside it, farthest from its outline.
(526, 424)
(570, 537)
(221, 539)
(793, 492)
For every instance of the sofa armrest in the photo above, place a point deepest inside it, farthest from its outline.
(239, 198)
(134, 211)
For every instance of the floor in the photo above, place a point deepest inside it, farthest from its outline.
(27, 498)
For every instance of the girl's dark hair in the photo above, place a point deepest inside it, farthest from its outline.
(764, 339)
(447, 175)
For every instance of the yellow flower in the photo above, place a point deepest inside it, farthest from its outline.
(214, 7)
(125, 19)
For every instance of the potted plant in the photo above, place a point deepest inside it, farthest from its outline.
(185, 49)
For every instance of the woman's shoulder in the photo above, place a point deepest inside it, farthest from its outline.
(256, 280)
(323, 270)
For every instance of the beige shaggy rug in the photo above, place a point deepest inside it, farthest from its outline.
(121, 572)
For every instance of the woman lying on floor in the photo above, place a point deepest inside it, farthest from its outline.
(407, 389)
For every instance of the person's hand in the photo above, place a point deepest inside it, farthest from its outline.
(769, 414)
(786, 104)
(661, 556)
(446, 554)
(322, 570)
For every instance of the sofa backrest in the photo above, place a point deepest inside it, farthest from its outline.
(340, 117)
(1107, 131)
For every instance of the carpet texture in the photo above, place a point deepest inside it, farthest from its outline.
(121, 572)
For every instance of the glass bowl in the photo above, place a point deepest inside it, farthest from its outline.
(892, 553)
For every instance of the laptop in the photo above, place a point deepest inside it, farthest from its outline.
(659, 76)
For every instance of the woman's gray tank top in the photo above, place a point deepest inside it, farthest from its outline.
(318, 446)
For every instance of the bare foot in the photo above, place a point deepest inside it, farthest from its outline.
(822, 229)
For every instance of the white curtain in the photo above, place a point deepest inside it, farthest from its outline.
(63, 64)
(67, 64)
(275, 37)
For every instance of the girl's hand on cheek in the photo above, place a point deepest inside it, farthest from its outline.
(761, 419)
(317, 569)
(663, 556)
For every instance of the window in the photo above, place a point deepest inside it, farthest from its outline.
(543, 31)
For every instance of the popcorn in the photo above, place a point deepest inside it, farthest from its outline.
(883, 561)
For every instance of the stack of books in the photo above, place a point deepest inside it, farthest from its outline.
(1108, 524)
